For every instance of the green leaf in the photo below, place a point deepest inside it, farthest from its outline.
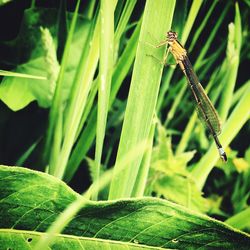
(30, 55)
(169, 176)
(31, 200)
(181, 190)
(17, 92)
(18, 239)
(240, 220)
(163, 153)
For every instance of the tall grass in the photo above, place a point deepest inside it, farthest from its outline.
(119, 44)
(73, 127)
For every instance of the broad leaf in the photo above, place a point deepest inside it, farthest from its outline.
(29, 55)
(31, 201)
(18, 239)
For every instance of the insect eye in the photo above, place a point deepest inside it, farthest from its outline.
(171, 36)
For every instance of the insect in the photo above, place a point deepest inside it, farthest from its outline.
(205, 108)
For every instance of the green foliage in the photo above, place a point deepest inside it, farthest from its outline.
(142, 223)
(97, 74)
(169, 176)
(36, 50)
(27, 240)
(237, 174)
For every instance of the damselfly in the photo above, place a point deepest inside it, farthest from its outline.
(205, 108)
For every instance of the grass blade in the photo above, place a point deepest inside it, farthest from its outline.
(80, 90)
(56, 104)
(143, 93)
(196, 4)
(88, 135)
(15, 74)
(233, 59)
(106, 66)
(202, 25)
(141, 182)
(240, 220)
(123, 21)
